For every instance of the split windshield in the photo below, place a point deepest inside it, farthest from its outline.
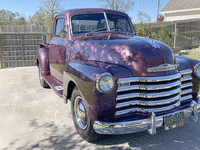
(96, 22)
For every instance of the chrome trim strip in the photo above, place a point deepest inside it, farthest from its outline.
(131, 110)
(186, 78)
(148, 103)
(116, 128)
(149, 87)
(148, 95)
(186, 71)
(186, 91)
(163, 67)
(185, 97)
(184, 85)
(149, 79)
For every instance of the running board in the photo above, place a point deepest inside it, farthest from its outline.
(55, 84)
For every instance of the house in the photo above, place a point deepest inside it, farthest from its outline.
(177, 10)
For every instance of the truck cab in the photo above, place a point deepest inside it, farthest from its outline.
(117, 82)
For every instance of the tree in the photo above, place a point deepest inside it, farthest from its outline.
(10, 18)
(38, 18)
(49, 8)
(143, 17)
(122, 5)
(144, 30)
(163, 34)
(46, 13)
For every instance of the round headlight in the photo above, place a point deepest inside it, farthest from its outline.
(105, 83)
(197, 70)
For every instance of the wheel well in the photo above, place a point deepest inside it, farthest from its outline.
(71, 86)
(37, 63)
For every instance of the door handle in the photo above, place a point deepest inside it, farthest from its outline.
(49, 44)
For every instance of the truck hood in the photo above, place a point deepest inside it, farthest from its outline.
(135, 53)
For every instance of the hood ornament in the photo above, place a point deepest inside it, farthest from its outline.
(163, 67)
(154, 44)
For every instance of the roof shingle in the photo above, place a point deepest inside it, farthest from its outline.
(174, 5)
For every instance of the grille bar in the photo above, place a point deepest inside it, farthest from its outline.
(186, 91)
(186, 78)
(149, 79)
(149, 95)
(188, 71)
(132, 110)
(183, 98)
(185, 85)
(148, 103)
(149, 87)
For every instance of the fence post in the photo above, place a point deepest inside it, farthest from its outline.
(22, 46)
(1, 60)
(175, 35)
(48, 34)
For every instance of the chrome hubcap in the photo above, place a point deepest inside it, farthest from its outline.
(80, 113)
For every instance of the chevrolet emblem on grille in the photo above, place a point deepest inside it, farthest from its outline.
(163, 67)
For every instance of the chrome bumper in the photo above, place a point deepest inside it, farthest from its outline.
(149, 124)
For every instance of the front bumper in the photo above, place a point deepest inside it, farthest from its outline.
(149, 124)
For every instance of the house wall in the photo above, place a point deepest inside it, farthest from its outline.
(182, 15)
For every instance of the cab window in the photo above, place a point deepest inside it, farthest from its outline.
(60, 28)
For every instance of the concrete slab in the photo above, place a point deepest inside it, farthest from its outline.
(35, 118)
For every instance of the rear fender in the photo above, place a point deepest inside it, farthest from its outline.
(43, 58)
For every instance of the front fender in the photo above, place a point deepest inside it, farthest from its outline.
(84, 74)
(189, 63)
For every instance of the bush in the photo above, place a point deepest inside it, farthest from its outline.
(163, 34)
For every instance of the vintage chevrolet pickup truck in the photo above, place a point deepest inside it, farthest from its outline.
(117, 82)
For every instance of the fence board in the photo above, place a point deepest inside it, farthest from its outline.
(24, 29)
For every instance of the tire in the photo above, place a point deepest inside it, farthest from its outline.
(82, 121)
(41, 79)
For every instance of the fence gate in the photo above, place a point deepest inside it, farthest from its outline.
(19, 49)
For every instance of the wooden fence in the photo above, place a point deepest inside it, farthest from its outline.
(19, 44)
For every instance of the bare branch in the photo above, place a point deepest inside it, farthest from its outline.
(122, 5)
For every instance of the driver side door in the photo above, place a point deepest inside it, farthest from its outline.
(57, 50)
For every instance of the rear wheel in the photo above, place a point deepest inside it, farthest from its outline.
(42, 81)
(82, 121)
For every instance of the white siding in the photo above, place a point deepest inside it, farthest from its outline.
(185, 17)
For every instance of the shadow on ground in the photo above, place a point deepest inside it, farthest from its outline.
(185, 137)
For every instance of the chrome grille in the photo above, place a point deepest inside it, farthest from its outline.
(155, 94)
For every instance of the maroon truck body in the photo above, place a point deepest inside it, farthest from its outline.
(147, 82)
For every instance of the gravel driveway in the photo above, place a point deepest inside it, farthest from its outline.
(35, 118)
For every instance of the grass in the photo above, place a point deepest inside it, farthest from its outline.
(194, 55)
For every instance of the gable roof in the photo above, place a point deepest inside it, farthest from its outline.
(175, 5)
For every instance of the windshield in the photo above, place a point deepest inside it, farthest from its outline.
(96, 22)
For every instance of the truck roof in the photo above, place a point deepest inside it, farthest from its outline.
(72, 12)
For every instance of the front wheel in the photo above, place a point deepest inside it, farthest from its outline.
(82, 121)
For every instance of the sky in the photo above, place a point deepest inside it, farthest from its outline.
(29, 7)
